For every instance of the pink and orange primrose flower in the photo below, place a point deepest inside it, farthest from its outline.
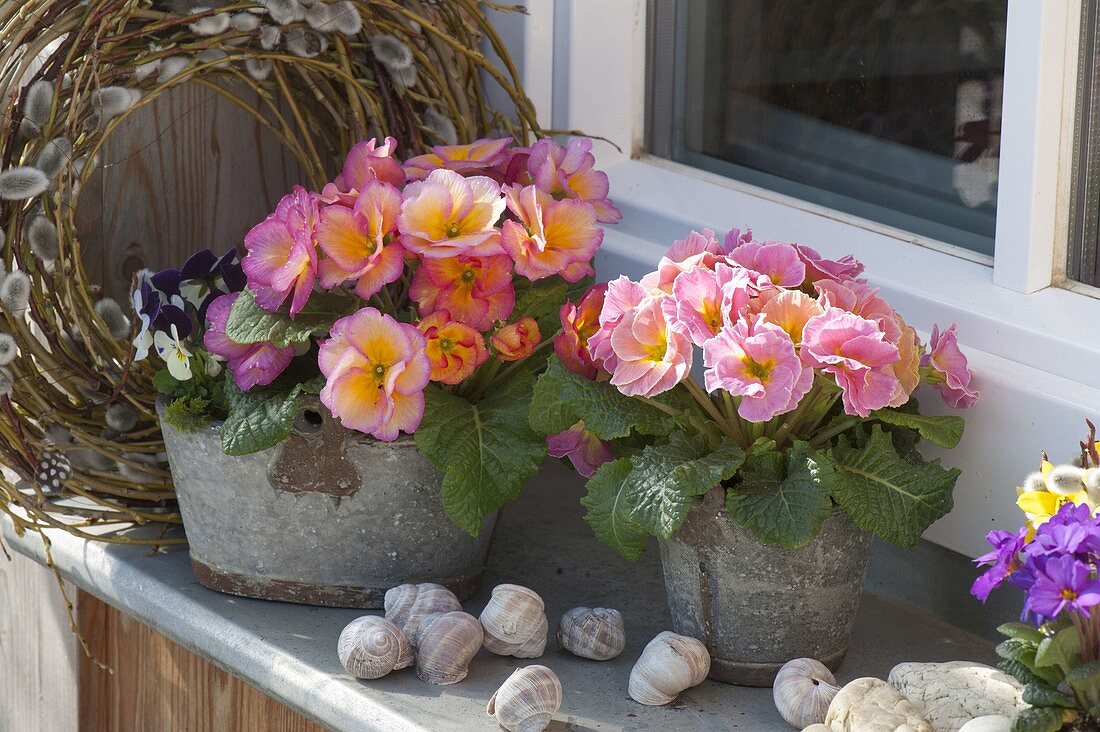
(476, 156)
(375, 369)
(362, 242)
(949, 368)
(516, 341)
(477, 291)
(254, 364)
(445, 215)
(579, 322)
(651, 357)
(571, 171)
(549, 237)
(366, 161)
(455, 350)
(855, 352)
(282, 253)
(584, 449)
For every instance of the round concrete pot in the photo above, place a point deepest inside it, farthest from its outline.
(327, 517)
(755, 606)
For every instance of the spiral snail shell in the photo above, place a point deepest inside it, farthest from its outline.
(445, 645)
(515, 622)
(527, 700)
(803, 690)
(370, 647)
(405, 605)
(669, 664)
(596, 633)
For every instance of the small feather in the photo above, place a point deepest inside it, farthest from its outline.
(172, 67)
(440, 126)
(270, 35)
(392, 52)
(211, 25)
(121, 417)
(36, 108)
(55, 155)
(346, 18)
(15, 292)
(259, 68)
(8, 349)
(112, 315)
(17, 184)
(42, 236)
(305, 42)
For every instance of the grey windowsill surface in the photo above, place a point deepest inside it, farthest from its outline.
(288, 651)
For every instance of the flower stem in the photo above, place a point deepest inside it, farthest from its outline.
(707, 403)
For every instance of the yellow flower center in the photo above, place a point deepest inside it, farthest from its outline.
(452, 231)
(468, 275)
(446, 344)
(379, 371)
(759, 370)
(1068, 594)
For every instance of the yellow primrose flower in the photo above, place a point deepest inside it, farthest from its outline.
(1039, 506)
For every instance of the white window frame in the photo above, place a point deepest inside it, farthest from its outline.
(1030, 335)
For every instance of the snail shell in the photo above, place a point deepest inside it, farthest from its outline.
(596, 633)
(370, 647)
(445, 645)
(669, 664)
(803, 690)
(527, 700)
(406, 604)
(515, 622)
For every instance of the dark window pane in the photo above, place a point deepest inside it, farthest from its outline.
(887, 110)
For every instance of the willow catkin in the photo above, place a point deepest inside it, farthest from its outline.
(42, 237)
(8, 349)
(15, 291)
(111, 312)
(346, 18)
(210, 25)
(36, 108)
(53, 158)
(21, 183)
(121, 417)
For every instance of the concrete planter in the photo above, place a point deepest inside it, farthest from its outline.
(757, 607)
(327, 517)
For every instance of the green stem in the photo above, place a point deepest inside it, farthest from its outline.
(707, 404)
(829, 434)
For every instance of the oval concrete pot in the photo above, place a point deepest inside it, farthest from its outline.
(327, 517)
(755, 606)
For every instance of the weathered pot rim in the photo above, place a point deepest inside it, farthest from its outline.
(213, 427)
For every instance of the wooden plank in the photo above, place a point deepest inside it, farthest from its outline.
(188, 171)
(38, 652)
(155, 684)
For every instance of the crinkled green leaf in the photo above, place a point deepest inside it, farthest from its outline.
(610, 504)
(1043, 695)
(1085, 681)
(249, 323)
(487, 451)
(1063, 650)
(666, 476)
(1023, 631)
(1023, 652)
(782, 504)
(894, 498)
(944, 430)
(562, 398)
(258, 418)
(1019, 671)
(165, 383)
(1039, 719)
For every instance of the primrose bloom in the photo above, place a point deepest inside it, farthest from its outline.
(790, 310)
(455, 350)
(550, 236)
(476, 156)
(907, 367)
(584, 449)
(704, 300)
(621, 295)
(1003, 561)
(361, 241)
(572, 171)
(697, 249)
(375, 370)
(856, 353)
(779, 262)
(757, 362)
(366, 161)
(476, 291)
(650, 357)
(578, 323)
(820, 268)
(949, 367)
(856, 296)
(446, 215)
(282, 253)
(253, 364)
(516, 341)
(1062, 583)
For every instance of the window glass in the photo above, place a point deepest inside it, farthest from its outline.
(886, 109)
(1084, 239)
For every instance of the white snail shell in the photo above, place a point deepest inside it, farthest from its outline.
(803, 690)
(527, 700)
(406, 604)
(445, 645)
(596, 633)
(515, 622)
(669, 664)
(371, 646)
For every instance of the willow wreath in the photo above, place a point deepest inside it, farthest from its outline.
(79, 438)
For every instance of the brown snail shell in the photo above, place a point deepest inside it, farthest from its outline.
(803, 690)
(445, 645)
(405, 605)
(515, 622)
(596, 633)
(527, 700)
(669, 664)
(371, 646)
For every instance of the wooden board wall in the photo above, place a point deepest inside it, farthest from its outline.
(157, 685)
(190, 170)
(38, 653)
